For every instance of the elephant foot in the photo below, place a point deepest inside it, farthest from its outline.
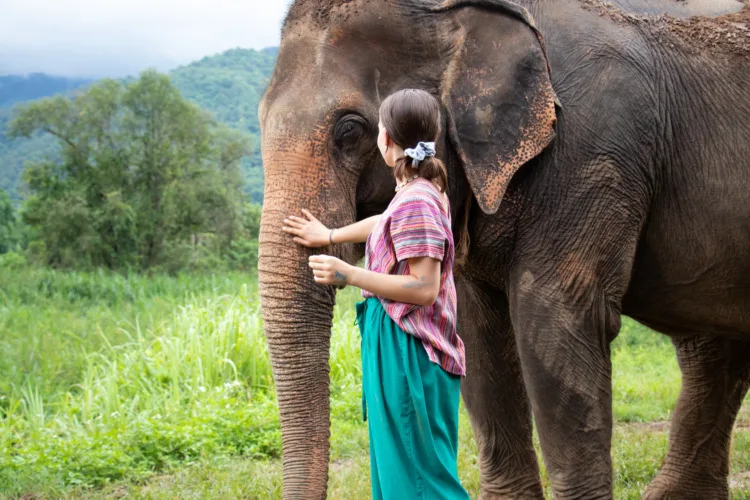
(680, 488)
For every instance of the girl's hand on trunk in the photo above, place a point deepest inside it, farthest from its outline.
(309, 232)
(329, 270)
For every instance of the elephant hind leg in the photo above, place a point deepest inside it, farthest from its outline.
(715, 379)
(495, 397)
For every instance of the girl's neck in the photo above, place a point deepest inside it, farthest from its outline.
(410, 172)
(402, 183)
(411, 183)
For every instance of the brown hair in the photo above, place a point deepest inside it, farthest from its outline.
(411, 116)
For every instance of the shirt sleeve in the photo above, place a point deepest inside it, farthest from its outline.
(416, 230)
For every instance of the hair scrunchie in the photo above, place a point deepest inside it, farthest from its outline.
(422, 151)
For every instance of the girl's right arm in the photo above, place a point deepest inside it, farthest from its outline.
(310, 232)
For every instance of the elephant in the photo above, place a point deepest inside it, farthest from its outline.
(599, 163)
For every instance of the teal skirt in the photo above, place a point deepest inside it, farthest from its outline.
(411, 407)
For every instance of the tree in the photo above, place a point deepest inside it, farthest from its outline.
(144, 179)
(243, 252)
(8, 224)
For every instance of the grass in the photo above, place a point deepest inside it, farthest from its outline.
(126, 386)
(646, 378)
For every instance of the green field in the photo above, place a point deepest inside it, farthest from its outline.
(160, 387)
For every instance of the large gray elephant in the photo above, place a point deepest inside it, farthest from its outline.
(633, 131)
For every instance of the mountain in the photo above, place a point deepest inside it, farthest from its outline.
(228, 85)
(14, 88)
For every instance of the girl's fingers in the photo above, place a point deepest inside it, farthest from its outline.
(299, 220)
(291, 230)
(299, 240)
(293, 223)
(309, 215)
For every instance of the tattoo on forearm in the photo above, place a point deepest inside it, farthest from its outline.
(340, 278)
(419, 284)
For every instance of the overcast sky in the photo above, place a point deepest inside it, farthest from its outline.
(95, 38)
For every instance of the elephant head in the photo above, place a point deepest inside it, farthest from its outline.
(483, 59)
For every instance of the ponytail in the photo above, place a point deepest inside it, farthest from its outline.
(431, 169)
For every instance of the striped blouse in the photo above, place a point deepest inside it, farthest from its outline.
(417, 223)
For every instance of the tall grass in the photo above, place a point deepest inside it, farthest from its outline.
(107, 378)
(50, 322)
(160, 371)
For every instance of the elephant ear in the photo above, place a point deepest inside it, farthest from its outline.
(498, 93)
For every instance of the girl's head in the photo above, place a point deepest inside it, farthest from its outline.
(408, 117)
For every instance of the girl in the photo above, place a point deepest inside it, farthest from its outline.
(412, 358)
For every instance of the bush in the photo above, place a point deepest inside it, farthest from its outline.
(12, 260)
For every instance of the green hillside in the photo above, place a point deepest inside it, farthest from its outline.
(17, 88)
(228, 85)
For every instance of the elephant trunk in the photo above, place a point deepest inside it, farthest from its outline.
(297, 315)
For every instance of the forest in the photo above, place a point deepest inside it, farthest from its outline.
(228, 85)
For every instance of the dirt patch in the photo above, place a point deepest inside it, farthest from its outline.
(647, 426)
(119, 492)
(727, 34)
(742, 423)
(322, 11)
(158, 483)
(338, 465)
(611, 11)
(741, 480)
(743, 417)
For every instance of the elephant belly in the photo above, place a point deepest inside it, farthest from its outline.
(692, 272)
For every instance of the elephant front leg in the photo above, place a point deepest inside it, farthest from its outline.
(495, 397)
(715, 379)
(563, 333)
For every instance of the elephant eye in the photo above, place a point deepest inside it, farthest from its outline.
(349, 130)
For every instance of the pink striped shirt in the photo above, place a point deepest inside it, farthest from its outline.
(417, 223)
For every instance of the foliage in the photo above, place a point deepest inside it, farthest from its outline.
(9, 228)
(243, 252)
(161, 387)
(15, 153)
(12, 260)
(228, 85)
(145, 179)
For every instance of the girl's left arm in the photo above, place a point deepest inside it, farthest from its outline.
(420, 286)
